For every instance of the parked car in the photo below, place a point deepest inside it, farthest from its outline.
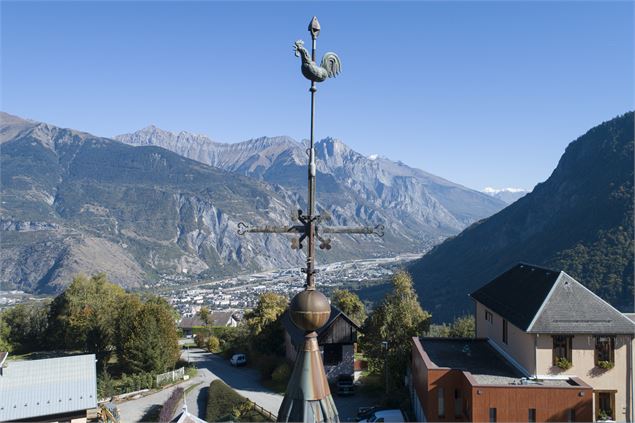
(390, 415)
(238, 360)
(345, 385)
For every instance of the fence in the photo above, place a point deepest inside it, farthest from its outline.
(171, 376)
(272, 417)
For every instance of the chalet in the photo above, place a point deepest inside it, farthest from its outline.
(337, 340)
(51, 390)
(559, 337)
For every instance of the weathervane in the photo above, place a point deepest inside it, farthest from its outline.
(308, 397)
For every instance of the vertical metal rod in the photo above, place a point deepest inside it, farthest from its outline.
(310, 261)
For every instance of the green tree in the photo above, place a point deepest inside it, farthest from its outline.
(264, 325)
(26, 326)
(129, 308)
(5, 345)
(463, 327)
(390, 327)
(83, 316)
(151, 344)
(350, 304)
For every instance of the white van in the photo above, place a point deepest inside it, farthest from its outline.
(385, 416)
(238, 360)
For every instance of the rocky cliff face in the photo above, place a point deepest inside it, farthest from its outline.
(418, 208)
(580, 220)
(73, 202)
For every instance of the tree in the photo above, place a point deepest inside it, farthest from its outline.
(398, 318)
(204, 314)
(350, 304)
(463, 327)
(5, 345)
(83, 316)
(264, 325)
(26, 326)
(151, 344)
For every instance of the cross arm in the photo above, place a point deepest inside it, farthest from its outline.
(270, 229)
(368, 230)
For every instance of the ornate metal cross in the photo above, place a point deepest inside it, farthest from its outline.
(311, 227)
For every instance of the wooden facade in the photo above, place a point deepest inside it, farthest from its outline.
(462, 399)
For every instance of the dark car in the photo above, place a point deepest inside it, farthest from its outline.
(345, 385)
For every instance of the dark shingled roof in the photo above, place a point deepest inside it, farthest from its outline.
(297, 335)
(540, 300)
(518, 293)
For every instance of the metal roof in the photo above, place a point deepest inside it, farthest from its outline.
(33, 388)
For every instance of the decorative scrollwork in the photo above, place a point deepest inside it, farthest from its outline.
(242, 228)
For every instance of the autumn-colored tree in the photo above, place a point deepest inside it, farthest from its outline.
(83, 316)
(350, 304)
(204, 314)
(390, 327)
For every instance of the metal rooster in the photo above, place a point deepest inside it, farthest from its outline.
(329, 68)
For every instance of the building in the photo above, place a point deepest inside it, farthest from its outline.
(459, 380)
(337, 340)
(51, 390)
(216, 318)
(550, 329)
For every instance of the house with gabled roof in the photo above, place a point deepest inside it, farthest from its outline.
(551, 326)
(337, 340)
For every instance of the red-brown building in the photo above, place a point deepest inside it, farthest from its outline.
(458, 380)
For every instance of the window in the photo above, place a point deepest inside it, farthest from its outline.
(505, 331)
(440, 402)
(571, 415)
(531, 418)
(561, 348)
(489, 316)
(457, 402)
(492, 415)
(604, 349)
(604, 405)
(332, 354)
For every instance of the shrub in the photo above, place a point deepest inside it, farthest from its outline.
(605, 364)
(282, 373)
(171, 405)
(222, 401)
(213, 344)
(563, 363)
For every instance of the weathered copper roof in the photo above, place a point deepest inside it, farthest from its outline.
(308, 397)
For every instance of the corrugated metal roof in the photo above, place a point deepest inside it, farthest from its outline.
(33, 388)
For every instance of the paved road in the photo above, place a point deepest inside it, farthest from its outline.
(246, 381)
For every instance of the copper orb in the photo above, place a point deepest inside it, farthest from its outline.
(309, 310)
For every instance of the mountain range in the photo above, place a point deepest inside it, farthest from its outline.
(579, 220)
(508, 195)
(155, 202)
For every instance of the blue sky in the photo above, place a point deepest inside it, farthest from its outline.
(481, 93)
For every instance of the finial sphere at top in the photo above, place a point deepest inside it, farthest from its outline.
(309, 310)
(314, 27)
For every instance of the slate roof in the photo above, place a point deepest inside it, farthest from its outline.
(297, 335)
(33, 388)
(540, 300)
(518, 293)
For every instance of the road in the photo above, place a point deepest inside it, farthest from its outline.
(244, 380)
